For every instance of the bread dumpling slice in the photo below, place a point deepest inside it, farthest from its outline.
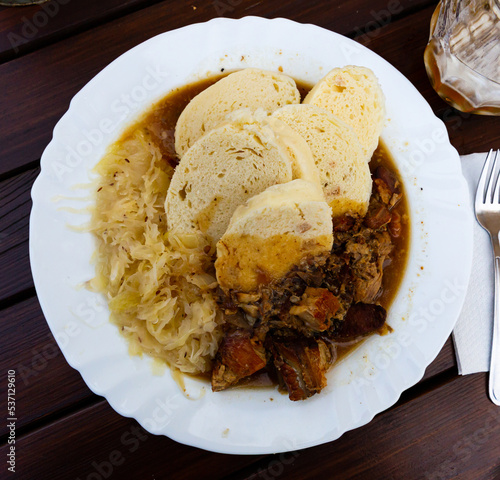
(354, 95)
(292, 143)
(250, 88)
(343, 171)
(271, 234)
(223, 169)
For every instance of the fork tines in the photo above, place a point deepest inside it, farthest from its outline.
(488, 189)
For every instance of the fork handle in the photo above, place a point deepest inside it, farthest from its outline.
(494, 382)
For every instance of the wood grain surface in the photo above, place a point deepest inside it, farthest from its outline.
(15, 207)
(46, 384)
(442, 428)
(37, 25)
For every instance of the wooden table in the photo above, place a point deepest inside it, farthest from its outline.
(444, 427)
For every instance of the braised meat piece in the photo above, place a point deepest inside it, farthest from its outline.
(302, 364)
(343, 223)
(368, 252)
(368, 283)
(313, 312)
(386, 185)
(383, 190)
(388, 177)
(395, 225)
(361, 319)
(316, 308)
(240, 354)
(339, 279)
(377, 216)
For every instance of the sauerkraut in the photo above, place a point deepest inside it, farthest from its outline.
(159, 286)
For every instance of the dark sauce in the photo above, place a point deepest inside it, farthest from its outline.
(159, 123)
(394, 271)
(160, 120)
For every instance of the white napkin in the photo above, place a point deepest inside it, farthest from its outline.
(474, 329)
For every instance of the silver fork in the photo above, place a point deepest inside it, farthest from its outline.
(488, 215)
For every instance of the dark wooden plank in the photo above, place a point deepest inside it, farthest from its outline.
(97, 443)
(65, 67)
(437, 435)
(443, 362)
(470, 133)
(27, 28)
(45, 383)
(15, 206)
(452, 432)
(15, 274)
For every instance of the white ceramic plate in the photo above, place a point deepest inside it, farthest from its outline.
(249, 421)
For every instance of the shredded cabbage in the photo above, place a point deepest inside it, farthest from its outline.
(160, 286)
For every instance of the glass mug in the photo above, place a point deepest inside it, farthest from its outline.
(462, 57)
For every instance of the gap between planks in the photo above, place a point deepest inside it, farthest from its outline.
(105, 17)
(64, 33)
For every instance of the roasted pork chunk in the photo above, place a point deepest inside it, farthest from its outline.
(301, 363)
(240, 354)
